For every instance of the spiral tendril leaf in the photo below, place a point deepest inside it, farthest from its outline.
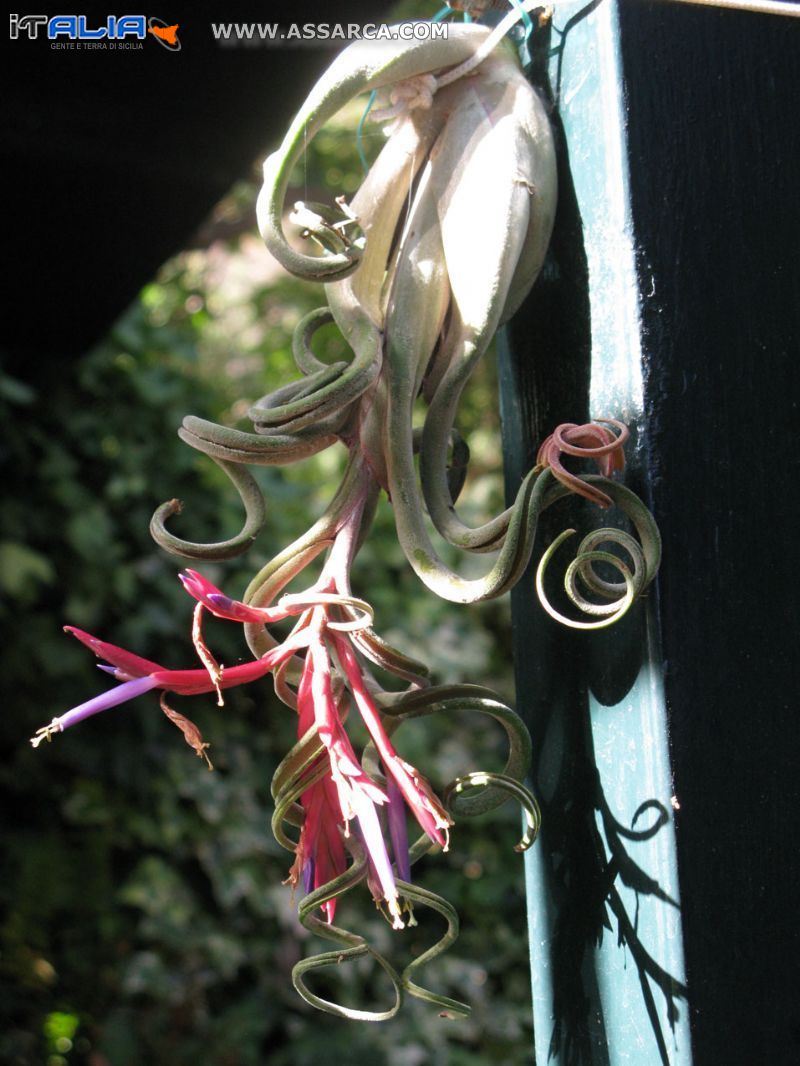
(584, 570)
(531, 810)
(255, 517)
(353, 947)
(621, 607)
(448, 1007)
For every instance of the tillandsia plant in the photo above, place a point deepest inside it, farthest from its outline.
(438, 247)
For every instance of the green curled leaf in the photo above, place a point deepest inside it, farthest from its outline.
(353, 946)
(304, 357)
(482, 780)
(335, 958)
(453, 700)
(359, 68)
(255, 517)
(320, 401)
(582, 568)
(448, 1007)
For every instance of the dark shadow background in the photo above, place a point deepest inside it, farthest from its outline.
(116, 158)
(715, 164)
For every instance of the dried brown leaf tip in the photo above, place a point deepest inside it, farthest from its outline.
(589, 441)
(204, 654)
(191, 733)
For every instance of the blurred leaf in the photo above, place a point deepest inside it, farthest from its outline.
(22, 569)
(15, 391)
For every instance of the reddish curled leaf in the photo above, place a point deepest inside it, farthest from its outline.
(589, 441)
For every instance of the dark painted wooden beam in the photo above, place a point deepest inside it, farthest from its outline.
(714, 141)
(671, 298)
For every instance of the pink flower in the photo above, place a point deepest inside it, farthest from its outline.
(346, 794)
(320, 855)
(349, 794)
(356, 794)
(416, 791)
(139, 675)
(223, 606)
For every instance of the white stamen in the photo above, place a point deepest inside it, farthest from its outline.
(46, 732)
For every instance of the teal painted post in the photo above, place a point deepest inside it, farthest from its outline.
(604, 919)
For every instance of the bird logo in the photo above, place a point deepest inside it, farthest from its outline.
(164, 34)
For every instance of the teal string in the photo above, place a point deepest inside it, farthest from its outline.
(360, 131)
(526, 19)
(441, 14)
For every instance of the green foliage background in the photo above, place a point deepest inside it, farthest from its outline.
(144, 915)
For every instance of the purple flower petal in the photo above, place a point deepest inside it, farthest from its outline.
(398, 832)
(308, 876)
(219, 599)
(376, 849)
(126, 691)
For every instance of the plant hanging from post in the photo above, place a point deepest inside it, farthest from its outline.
(438, 247)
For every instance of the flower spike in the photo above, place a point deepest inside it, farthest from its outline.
(416, 791)
(140, 675)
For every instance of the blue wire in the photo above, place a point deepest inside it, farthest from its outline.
(360, 131)
(526, 19)
(443, 14)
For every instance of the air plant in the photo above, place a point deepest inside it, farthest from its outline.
(438, 248)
